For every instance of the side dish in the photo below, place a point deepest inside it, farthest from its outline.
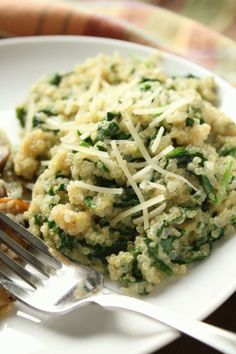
(134, 171)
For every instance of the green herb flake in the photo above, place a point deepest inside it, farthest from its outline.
(148, 79)
(89, 203)
(228, 173)
(208, 188)
(183, 156)
(167, 244)
(51, 191)
(55, 79)
(59, 174)
(189, 122)
(113, 115)
(153, 253)
(52, 224)
(228, 151)
(62, 187)
(127, 199)
(21, 116)
(112, 131)
(101, 166)
(48, 112)
(87, 142)
(145, 86)
(37, 219)
(101, 147)
(191, 76)
(37, 122)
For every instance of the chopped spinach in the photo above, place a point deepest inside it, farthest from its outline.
(228, 151)
(51, 191)
(125, 230)
(55, 79)
(131, 158)
(104, 182)
(127, 199)
(184, 156)
(88, 201)
(111, 131)
(166, 244)
(146, 79)
(59, 174)
(189, 122)
(37, 122)
(208, 188)
(38, 219)
(52, 225)
(113, 115)
(101, 166)
(66, 241)
(227, 177)
(87, 142)
(21, 115)
(101, 252)
(48, 112)
(61, 187)
(191, 76)
(146, 86)
(153, 253)
(136, 272)
(101, 147)
(189, 258)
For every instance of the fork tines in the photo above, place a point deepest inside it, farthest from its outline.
(40, 258)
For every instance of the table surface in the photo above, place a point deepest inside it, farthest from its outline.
(224, 316)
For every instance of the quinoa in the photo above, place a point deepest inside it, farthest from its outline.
(133, 170)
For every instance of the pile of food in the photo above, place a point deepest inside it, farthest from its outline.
(12, 192)
(133, 170)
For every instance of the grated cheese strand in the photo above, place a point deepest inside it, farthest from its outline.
(67, 126)
(87, 151)
(151, 185)
(157, 140)
(152, 214)
(154, 110)
(131, 181)
(139, 207)
(148, 158)
(161, 154)
(141, 173)
(93, 188)
(171, 109)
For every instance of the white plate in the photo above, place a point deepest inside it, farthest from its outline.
(91, 329)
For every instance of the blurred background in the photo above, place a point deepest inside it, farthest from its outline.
(220, 15)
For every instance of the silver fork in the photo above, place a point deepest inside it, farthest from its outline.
(57, 288)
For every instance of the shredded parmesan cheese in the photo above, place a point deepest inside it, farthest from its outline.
(170, 110)
(147, 157)
(157, 140)
(152, 214)
(146, 111)
(87, 151)
(151, 185)
(131, 181)
(139, 207)
(98, 189)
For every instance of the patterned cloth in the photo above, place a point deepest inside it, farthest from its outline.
(143, 22)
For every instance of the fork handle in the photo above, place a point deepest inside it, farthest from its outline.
(224, 341)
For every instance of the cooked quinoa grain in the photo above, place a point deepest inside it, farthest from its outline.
(134, 170)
